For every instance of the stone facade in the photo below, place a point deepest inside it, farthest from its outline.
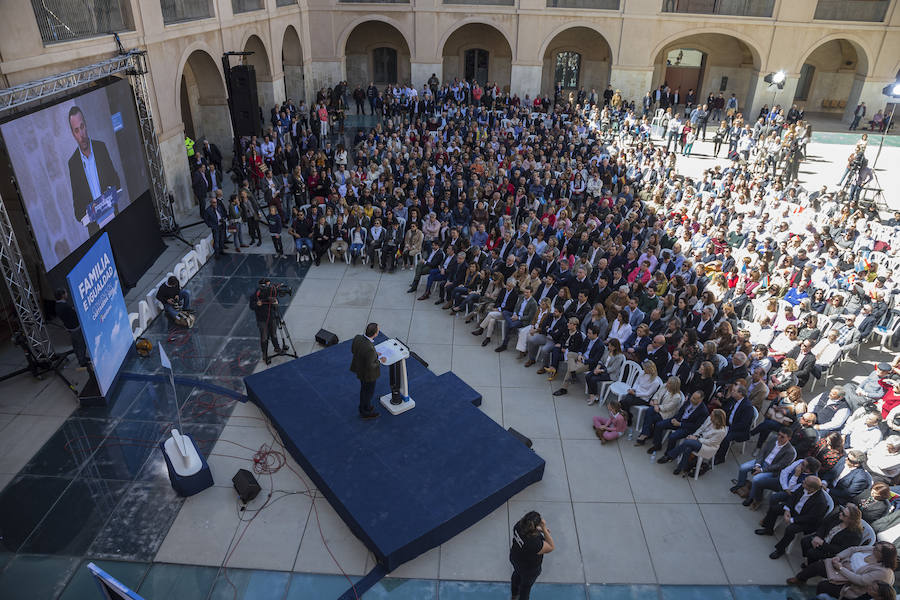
(300, 48)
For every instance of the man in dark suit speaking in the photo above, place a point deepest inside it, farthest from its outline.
(91, 170)
(366, 365)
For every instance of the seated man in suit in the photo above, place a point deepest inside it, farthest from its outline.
(686, 421)
(586, 360)
(520, 316)
(455, 273)
(506, 301)
(439, 274)
(850, 477)
(802, 513)
(806, 361)
(656, 351)
(740, 420)
(433, 260)
(777, 453)
(735, 369)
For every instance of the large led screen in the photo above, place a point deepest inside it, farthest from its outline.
(78, 164)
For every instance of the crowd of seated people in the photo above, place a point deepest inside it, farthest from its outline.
(564, 231)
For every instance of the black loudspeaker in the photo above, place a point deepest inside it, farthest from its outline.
(244, 101)
(520, 437)
(246, 485)
(326, 338)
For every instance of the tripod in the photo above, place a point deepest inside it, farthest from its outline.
(39, 368)
(285, 337)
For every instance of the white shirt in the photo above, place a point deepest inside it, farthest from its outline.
(800, 503)
(771, 457)
(90, 171)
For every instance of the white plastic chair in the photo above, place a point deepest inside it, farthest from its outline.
(712, 465)
(630, 372)
(603, 386)
(888, 329)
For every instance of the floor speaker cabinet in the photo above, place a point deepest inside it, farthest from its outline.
(326, 338)
(244, 100)
(246, 485)
(520, 437)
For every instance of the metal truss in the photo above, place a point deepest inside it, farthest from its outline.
(25, 93)
(15, 274)
(158, 186)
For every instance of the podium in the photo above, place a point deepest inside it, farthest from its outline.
(395, 354)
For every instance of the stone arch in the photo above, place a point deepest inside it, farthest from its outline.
(832, 76)
(201, 97)
(345, 34)
(466, 42)
(862, 52)
(292, 65)
(729, 59)
(749, 42)
(361, 49)
(569, 25)
(595, 53)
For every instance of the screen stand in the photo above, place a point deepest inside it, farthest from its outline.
(90, 394)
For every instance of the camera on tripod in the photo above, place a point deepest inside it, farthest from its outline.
(268, 292)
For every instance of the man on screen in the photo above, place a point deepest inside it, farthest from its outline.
(91, 170)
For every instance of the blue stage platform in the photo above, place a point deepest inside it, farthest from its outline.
(403, 484)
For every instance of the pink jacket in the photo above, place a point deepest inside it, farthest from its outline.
(618, 423)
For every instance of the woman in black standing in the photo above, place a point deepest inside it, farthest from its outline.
(531, 539)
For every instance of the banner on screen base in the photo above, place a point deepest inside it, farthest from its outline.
(98, 298)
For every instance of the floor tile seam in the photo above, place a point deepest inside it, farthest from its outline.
(713, 540)
(640, 520)
(562, 448)
(44, 518)
(300, 542)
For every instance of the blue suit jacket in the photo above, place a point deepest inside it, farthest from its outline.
(739, 427)
(853, 484)
(694, 421)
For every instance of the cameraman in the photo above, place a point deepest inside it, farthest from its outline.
(264, 302)
(173, 298)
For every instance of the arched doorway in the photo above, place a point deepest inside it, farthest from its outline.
(575, 58)
(202, 101)
(478, 52)
(376, 51)
(292, 65)
(708, 63)
(265, 89)
(831, 79)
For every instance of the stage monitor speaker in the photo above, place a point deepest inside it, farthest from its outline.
(520, 437)
(326, 338)
(244, 101)
(246, 485)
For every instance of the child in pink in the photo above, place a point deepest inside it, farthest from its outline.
(612, 428)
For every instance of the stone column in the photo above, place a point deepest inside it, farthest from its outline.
(322, 73)
(633, 83)
(868, 90)
(178, 176)
(266, 93)
(420, 72)
(278, 88)
(294, 83)
(525, 79)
